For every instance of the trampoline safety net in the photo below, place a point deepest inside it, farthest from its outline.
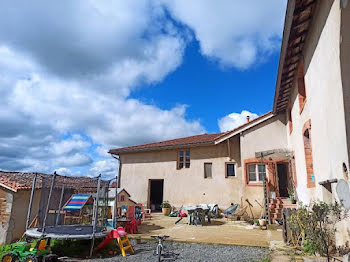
(66, 202)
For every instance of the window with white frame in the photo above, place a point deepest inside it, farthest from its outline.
(256, 173)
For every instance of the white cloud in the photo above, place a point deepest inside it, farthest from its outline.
(234, 120)
(67, 172)
(236, 33)
(65, 83)
(108, 168)
(41, 103)
(77, 159)
(74, 144)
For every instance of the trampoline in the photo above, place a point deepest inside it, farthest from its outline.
(65, 232)
(67, 209)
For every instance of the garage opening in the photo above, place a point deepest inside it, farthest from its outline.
(156, 194)
(282, 173)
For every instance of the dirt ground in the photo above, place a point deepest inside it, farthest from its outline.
(220, 231)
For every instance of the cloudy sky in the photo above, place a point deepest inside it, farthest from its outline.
(80, 77)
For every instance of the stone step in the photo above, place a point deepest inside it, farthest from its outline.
(275, 210)
(277, 206)
(275, 216)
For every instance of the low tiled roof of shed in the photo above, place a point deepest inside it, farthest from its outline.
(178, 142)
(23, 180)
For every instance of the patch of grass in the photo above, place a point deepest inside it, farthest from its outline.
(81, 248)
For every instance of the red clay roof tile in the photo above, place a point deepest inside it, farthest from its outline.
(182, 142)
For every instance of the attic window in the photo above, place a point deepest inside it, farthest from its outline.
(183, 159)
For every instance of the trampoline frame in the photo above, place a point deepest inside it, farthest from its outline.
(39, 233)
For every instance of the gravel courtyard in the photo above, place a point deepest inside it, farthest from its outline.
(193, 252)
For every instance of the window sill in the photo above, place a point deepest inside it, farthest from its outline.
(230, 177)
(255, 184)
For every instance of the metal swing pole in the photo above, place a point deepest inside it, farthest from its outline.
(31, 201)
(95, 215)
(49, 200)
(60, 204)
(115, 213)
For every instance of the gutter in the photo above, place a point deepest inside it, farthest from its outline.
(286, 32)
(159, 148)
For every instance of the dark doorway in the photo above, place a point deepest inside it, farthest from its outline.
(156, 194)
(282, 173)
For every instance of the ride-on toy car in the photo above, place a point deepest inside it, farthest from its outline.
(24, 252)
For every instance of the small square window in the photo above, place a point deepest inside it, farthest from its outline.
(122, 198)
(230, 170)
(207, 170)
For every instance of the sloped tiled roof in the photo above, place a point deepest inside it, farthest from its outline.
(204, 139)
(179, 142)
(22, 180)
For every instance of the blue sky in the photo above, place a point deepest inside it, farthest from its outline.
(119, 73)
(212, 91)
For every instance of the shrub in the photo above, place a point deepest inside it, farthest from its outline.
(166, 204)
(316, 225)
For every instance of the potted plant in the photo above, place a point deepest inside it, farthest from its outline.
(291, 196)
(262, 222)
(166, 208)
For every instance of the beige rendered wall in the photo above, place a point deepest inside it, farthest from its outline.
(324, 104)
(17, 222)
(265, 136)
(186, 186)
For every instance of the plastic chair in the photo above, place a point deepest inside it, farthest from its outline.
(147, 213)
(131, 227)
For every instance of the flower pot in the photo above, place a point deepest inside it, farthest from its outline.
(262, 222)
(166, 211)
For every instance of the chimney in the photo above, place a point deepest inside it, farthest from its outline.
(248, 119)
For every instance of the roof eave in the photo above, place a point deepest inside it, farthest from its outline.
(118, 152)
(8, 188)
(246, 127)
(286, 32)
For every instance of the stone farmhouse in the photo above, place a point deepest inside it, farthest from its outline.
(302, 144)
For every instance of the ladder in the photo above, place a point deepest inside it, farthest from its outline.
(266, 197)
(266, 202)
(124, 240)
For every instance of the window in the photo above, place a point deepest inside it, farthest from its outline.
(207, 170)
(230, 170)
(183, 159)
(122, 198)
(187, 158)
(256, 173)
(301, 86)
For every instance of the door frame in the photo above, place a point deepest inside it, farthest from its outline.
(149, 190)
